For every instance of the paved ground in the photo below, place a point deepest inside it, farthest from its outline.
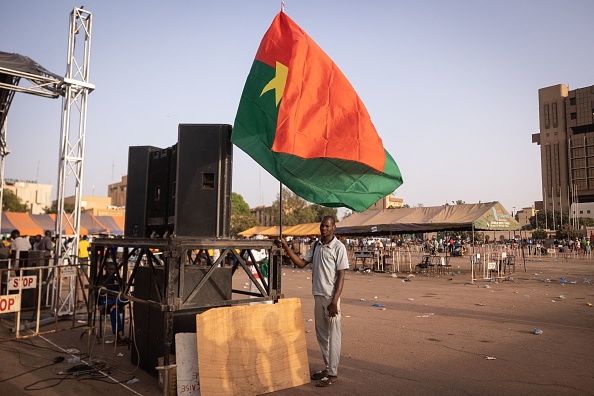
(433, 335)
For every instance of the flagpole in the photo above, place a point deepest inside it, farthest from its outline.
(280, 208)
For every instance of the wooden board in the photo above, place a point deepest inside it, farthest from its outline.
(249, 350)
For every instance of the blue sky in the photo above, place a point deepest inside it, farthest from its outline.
(451, 86)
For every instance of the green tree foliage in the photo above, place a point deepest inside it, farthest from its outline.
(238, 205)
(297, 210)
(68, 208)
(548, 218)
(539, 234)
(241, 217)
(12, 203)
(567, 232)
(586, 221)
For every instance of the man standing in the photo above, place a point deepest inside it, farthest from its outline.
(83, 250)
(46, 246)
(18, 245)
(328, 258)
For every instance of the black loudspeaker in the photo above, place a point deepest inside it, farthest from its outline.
(136, 190)
(158, 195)
(172, 188)
(204, 168)
(185, 188)
(149, 322)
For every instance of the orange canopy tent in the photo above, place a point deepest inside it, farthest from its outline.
(24, 223)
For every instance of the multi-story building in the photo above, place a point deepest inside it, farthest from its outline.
(36, 196)
(566, 141)
(117, 192)
(91, 204)
(388, 202)
(524, 215)
(263, 214)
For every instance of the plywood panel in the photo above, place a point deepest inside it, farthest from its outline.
(249, 350)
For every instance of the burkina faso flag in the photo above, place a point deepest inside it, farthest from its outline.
(300, 118)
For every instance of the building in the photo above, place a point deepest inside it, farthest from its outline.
(36, 196)
(523, 215)
(566, 141)
(389, 202)
(97, 206)
(583, 209)
(117, 192)
(263, 214)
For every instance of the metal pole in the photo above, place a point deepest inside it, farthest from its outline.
(546, 217)
(3, 153)
(553, 199)
(280, 209)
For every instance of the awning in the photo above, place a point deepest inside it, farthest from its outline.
(93, 226)
(7, 226)
(308, 229)
(44, 221)
(110, 223)
(489, 216)
(33, 224)
(24, 223)
(250, 232)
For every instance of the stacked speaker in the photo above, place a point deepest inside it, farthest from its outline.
(184, 189)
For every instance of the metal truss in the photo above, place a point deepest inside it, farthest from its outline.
(167, 262)
(76, 88)
(44, 86)
(72, 145)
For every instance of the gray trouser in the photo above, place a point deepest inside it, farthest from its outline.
(328, 333)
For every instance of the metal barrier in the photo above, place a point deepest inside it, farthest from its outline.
(41, 290)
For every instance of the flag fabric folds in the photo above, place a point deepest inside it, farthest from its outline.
(300, 119)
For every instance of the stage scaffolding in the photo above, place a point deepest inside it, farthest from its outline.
(170, 261)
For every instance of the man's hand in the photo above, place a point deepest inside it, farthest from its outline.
(332, 310)
(281, 243)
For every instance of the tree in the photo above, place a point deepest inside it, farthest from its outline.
(548, 218)
(241, 217)
(297, 210)
(68, 208)
(567, 232)
(12, 203)
(539, 234)
(238, 205)
(586, 221)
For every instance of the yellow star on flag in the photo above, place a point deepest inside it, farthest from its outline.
(278, 82)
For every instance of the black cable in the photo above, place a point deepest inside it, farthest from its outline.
(60, 380)
(27, 372)
(29, 342)
(21, 353)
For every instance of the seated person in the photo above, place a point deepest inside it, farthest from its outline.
(109, 303)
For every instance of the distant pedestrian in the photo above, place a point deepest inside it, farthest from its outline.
(19, 247)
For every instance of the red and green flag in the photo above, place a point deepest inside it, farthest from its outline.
(300, 118)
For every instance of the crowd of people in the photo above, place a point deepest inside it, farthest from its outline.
(19, 246)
